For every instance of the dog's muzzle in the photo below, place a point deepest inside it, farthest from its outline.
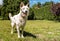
(24, 14)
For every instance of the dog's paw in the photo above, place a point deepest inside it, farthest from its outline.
(11, 32)
(22, 36)
(18, 36)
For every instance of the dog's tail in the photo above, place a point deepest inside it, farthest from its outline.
(10, 15)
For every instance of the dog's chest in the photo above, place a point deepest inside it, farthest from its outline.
(22, 21)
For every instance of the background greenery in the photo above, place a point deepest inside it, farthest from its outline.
(10, 6)
(37, 11)
(43, 11)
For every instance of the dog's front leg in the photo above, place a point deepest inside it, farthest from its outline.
(22, 32)
(18, 31)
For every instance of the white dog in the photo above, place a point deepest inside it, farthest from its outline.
(20, 19)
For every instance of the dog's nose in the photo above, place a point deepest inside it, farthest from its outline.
(26, 11)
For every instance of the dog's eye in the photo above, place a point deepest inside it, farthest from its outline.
(28, 8)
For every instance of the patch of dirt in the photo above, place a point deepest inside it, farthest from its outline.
(40, 36)
(1, 39)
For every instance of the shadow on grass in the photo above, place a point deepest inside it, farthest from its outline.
(27, 34)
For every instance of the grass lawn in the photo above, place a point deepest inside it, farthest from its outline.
(35, 30)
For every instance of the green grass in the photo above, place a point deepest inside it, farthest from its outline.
(44, 30)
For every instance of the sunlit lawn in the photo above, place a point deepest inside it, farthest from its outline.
(35, 30)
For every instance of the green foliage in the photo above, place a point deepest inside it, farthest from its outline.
(31, 14)
(11, 6)
(38, 11)
(48, 3)
(43, 13)
(39, 4)
(34, 5)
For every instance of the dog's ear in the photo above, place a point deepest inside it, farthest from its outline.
(27, 4)
(22, 4)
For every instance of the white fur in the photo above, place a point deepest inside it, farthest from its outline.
(19, 20)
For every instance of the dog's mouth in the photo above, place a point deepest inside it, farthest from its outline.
(24, 14)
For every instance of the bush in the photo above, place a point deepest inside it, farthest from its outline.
(43, 13)
(31, 15)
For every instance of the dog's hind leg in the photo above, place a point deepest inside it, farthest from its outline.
(12, 24)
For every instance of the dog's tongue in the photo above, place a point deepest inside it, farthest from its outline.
(24, 14)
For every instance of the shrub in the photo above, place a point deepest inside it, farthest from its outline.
(31, 15)
(43, 13)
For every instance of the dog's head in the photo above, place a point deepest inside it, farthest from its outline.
(24, 9)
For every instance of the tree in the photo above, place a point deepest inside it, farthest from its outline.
(11, 6)
(39, 4)
(31, 15)
(48, 3)
(34, 5)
